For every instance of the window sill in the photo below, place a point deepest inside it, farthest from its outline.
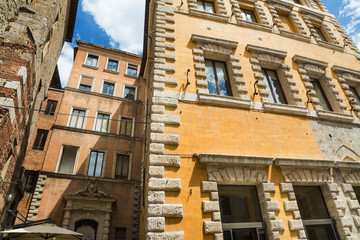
(330, 45)
(207, 15)
(130, 76)
(312, 163)
(224, 101)
(335, 116)
(285, 109)
(257, 26)
(220, 159)
(109, 71)
(296, 36)
(91, 67)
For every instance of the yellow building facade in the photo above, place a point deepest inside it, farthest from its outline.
(253, 122)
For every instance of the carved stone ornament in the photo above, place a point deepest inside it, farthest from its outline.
(91, 190)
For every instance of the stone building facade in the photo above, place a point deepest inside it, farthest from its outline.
(86, 153)
(253, 122)
(32, 34)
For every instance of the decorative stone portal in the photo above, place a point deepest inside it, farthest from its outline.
(89, 212)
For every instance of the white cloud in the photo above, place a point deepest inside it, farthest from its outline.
(122, 20)
(350, 9)
(65, 63)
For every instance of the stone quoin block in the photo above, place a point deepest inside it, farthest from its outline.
(210, 206)
(164, 184)
(207, 186)
(156, 196)
(165, 236)
(211, 227)
(155, 224)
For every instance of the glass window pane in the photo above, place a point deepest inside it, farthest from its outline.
(129, 93)
(125, 167)
(210, 77)
(276, 85)
(209, 7)
(80, 120)
(92, 161)
(316, 232)
(105, 88)
(68, 158)
(200, 5)
(311, 203)
(321, 34)
(99, 162)
(105, 123)
(320, 94)
(111, 89)
(222, 79)
(248, 15)
(239, 204)
(246, 234)
(356, 95)
(357, 192)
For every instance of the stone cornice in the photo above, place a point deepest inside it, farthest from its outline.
(285, 109)
(347, 165)
(288, 5)
(305, 60)
(222, 42)
(219, 159)
(258, 49)
(335, 116)
(339, 69)
(311, 12)
(305, 163)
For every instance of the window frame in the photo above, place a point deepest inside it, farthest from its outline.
(104, 151)
(272, 92)
(40, 139)
(107, 63)
(71, 114)
(61, 152)
(131, 86)
(322, 36)
(244, 10)
(96, 119)
(203, 4)
(228, 87)
(116, 153)
(79, 82)
(130, 75)
(132, 125)
(47, 110)
(108, 82)
(86, 58)
(323, 93)
(355, 93)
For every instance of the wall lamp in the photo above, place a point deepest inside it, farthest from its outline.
(187, 78)
(255, 90)
(9, 197)
(308, 97)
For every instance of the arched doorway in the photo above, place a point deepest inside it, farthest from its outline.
(88, 228)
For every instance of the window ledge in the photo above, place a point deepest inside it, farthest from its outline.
(347, 165)
(130, 76)
(224, 101)
(296, 36)
(110, 71)
(330, 45)
(88, 66)
(217, 159)
(335, 116)
(310, 163)
(207, 15)
(257, 26)
(285, 109)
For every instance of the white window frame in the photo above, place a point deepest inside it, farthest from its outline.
(70, 115)
(107, 61)
(129, 85)
(79, 81)
(102, 87)
(87, 54)
(105, 151)
(138, 68)
(60, 156)
(130, 163)
(132, 127)
(95, 120)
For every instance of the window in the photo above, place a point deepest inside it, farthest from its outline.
(95, 163)
(31, 180)
(248, 15)
(321, 34)
(68, 159)
(217, 78)
(40, 139)
(120, 233)
(108, 88)
(274, 86)
(102, 122)
(132, 69)
(112, 65)
(126, 126)
(129, 92)
(357, 192)
(298, 2)
(92, 60)
(205, 6)
(315, 216)
(240, 213)
(287, 23)
(355, 94)
(86, 83)
(50, 107)
(320, 94)
(122, 166)
(77, 118)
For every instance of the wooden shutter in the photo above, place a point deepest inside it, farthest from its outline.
(86, 81)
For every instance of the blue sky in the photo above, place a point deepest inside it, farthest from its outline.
(119, 24)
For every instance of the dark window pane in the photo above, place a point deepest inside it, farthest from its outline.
(120, 233)
(248, 15)
(129, 93)
(244, 234)
(311, 203)
(40, 139)
(68, 159)
(92, 60)
(321, 34)
(239, 204)
(320, 94)
(357, 192)
(319, 232)
(50, 107)
(209, 7)
(122, 166)
(274, 86)
(297, 1)
(126, 126)
(112, 65)
(356, 95)
(85, 87)
(217, 78)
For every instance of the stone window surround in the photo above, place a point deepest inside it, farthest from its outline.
(277, 7)
(315, 173)
(311, 68)
(274, 59)
(107, 62)
(240, 170)
(349, 77)
(89, 66)
(219, 49)
(88, 158)
(221, 13)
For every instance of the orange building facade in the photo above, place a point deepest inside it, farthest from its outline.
(84, 161)
(253, 122)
